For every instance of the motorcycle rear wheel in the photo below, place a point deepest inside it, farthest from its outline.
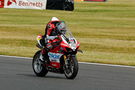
(71, 70)
(38, 67)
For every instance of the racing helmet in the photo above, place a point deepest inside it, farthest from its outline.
(51, 26)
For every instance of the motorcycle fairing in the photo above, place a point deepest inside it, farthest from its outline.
(55, 59)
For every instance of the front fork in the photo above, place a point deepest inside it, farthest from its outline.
(67, 59)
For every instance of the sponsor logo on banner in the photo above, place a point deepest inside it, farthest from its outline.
(10, 2)
(26, 4)
(1, 3)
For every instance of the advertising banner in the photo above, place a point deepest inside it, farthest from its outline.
(25, 4)
(78, 0)
(60, 5)
(1, 3)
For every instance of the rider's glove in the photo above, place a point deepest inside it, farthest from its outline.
(49, 46)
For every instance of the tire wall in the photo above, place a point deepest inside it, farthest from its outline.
(60, 5)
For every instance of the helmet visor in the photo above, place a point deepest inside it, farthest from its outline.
(62, 27)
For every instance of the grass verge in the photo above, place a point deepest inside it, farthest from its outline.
(106, 30)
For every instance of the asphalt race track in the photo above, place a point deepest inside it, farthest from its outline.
(17, 74)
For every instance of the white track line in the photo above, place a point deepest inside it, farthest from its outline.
(110, 65)
(15, 57)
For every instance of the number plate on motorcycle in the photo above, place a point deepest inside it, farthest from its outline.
(54, 57)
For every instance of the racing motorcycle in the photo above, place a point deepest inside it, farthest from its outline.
(62, 59)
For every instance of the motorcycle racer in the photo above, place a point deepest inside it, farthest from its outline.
(58, 51)
(51, 38)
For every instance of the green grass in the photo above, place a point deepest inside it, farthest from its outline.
(106, 30)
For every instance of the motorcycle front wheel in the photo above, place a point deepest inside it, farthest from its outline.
(38, 67)
(71, 68)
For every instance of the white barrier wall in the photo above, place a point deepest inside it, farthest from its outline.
(38, 4)
(25, 4)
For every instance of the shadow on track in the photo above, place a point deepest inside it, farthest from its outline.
(46, 77)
